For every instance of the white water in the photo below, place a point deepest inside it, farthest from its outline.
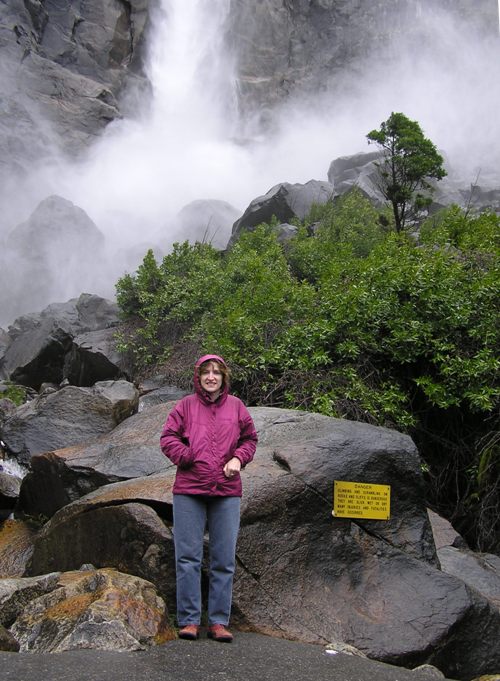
(182, 147)
(13, 468)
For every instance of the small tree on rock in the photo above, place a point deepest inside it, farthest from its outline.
(409, 161)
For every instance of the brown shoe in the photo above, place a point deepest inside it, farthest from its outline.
(190, 632)
(219, 633)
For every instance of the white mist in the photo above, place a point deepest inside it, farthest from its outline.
(183, 144)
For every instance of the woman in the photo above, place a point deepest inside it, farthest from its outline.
(210, 437)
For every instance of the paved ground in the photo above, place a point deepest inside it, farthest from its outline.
(251, 657)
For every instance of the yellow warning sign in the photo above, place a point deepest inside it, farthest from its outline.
(361, 500)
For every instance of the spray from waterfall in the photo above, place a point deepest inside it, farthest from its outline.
(185, 143)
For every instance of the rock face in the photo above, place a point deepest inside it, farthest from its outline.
(305, 46)
(64, 68)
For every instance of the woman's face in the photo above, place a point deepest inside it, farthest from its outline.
(211, 378)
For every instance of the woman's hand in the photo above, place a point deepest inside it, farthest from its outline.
(232, 468)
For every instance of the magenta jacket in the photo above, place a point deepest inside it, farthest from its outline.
(200, 437)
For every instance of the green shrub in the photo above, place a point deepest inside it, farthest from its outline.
(355, 321)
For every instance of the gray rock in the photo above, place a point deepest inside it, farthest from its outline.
(372, 585)
(167, 393)
(208, 221)
(358, 171)
(7, 641)
(58, 243)
(93, 357)
(285, 232)
(129, 451)
(481, 571)
(9, 490)
(283, 201)
(7, 408)
(42, 343)
(67, 417)
(37, 355)
(65, 69)
(443, 532)
(430, 672)
(130, 535)
(305, 575)
(15, 593)
(104, 610)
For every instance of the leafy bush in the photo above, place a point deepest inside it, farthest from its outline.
(351, 320)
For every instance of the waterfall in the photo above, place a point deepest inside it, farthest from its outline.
(184, 144)
(180, 148)
(190, 70)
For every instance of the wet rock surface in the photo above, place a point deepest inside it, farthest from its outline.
(68, 416)
(250, 656)
(97, 609)
(302, 574)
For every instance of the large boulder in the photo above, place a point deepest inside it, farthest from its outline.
(285, 202)
(57, 247)
(63, 341)
(207, 220)
(111, 532)
(15, 593)
(129, 451)
(372, 584)
(93, 357)
(98, 609)
(360, 171)
(481, 571)
(302, 573)
(68, 416)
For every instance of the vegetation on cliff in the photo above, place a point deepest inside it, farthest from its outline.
(409, 161)
(356, 320)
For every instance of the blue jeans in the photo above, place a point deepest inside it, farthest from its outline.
(192, 514)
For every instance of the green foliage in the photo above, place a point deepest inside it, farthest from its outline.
(350, 225)
(349, 320)
(452, 227)
(167, 297)
(409, 161)
(15, 393)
